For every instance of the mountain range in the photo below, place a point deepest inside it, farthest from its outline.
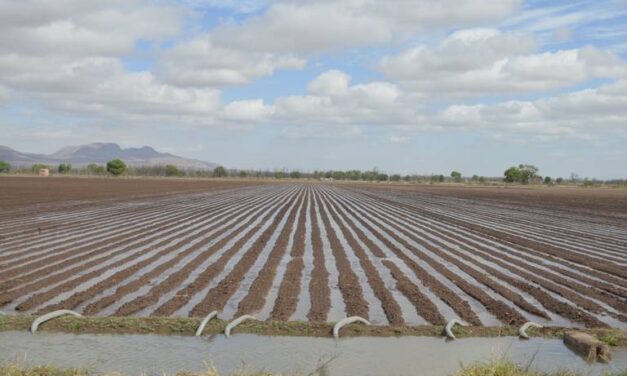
(101, 153)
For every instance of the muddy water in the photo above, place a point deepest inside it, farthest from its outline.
(132, 354)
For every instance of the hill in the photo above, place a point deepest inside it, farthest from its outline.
(100, 153)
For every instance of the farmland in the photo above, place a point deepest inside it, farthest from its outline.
(397, 255)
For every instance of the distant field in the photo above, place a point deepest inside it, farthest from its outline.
(414, 255)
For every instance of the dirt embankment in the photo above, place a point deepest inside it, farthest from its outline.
(547, 301)
(289, 290)
(80, 297)
(348, 282)
(219, 295)
(319, 291)
(187, 327)
(389, 305)
(460, 306)
(175, 279)
(256, 297)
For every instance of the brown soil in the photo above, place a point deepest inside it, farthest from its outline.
(388, 303)
(459, 305)
(319, 291)
(187, 327)
(287, 297)
(175, 279)
(348, 282)
(218, 296)
(256, 297)
(78, 298)
(446, 236)
(20, 192)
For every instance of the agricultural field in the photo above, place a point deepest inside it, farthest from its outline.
(398, 255)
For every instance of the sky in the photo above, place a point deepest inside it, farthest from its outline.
(406, 86)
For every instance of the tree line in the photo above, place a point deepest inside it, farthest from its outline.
(520, 174)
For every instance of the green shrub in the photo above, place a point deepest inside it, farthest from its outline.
(38, 166)
(116, 167)
(172, 170)
(5, 167)
(95, 169)
(457, 176)
(219, 172)
(64, 168)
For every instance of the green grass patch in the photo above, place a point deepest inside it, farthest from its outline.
(613, 338)
(508, 368)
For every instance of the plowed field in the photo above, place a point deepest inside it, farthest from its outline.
(320, 252)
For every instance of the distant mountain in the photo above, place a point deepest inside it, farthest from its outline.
(100, 153)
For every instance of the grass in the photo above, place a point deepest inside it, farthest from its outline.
(492, 368)
(612, 338)
(508, 368)
(12, 369)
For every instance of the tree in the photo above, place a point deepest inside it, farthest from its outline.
(441, 178)
(5, 167)
(457, 176)
(64, 168)
(279, 175)
(338, 175)
(512, 174)
(522, 174)
(116, 167)
(95, 169)
(382, 177)
(295, 175)
(395, 177)
(588, 183)
(219, 172)
(242, 174)
(548, 180)
(353, 175)
(38, 166)
(559, 180)
(369, 175)
(172, 170)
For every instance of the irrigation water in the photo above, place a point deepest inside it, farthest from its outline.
(154, 354)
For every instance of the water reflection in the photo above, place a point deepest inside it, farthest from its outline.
(152, 354)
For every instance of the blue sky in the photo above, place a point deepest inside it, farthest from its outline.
(418, 86)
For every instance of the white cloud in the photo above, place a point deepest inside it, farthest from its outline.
(83, 28)
(200, 63)
(399, 139)
(487, 61)
(247, 110)
(240, 6)
(332, 100)
(582, 114)
(69, 57)
(311, 27)
(330, 83)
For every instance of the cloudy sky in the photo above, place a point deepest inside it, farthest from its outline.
(408, 86)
